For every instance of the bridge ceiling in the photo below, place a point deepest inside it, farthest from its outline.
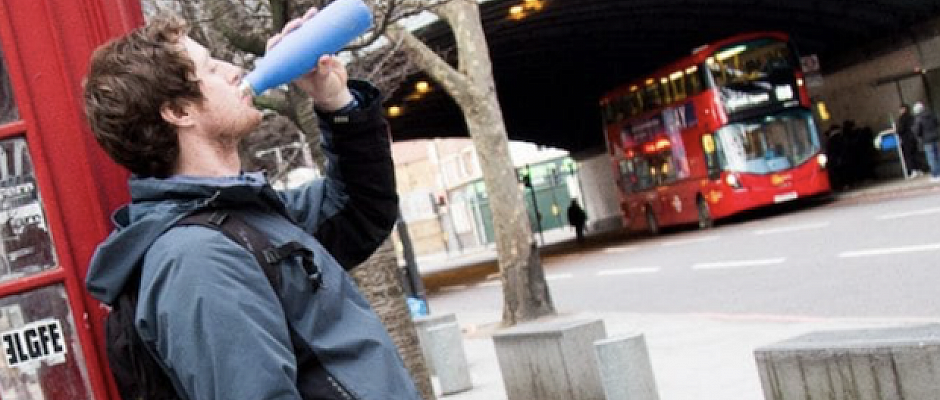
(552, 66)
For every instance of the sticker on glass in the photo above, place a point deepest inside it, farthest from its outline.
(37, 341)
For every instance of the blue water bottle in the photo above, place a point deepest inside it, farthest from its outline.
(297, 53)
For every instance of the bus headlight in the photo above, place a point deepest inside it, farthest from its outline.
(822, 160)
(733, 181)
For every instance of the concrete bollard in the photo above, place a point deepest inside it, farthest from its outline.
(422, 324)
(891, 363)
(625, 368)
(551, 360)
(449, 358)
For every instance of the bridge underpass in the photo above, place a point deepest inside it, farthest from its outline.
(552, 66)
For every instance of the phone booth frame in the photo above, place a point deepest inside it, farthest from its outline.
(45, 46)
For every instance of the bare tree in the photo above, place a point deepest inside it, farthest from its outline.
(237, 30)
(470, 84)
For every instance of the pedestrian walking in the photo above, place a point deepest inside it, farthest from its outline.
(927, 129)
(577, 218)
(162, 107)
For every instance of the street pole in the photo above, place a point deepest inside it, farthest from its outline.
(413, 277)
(535, 205)
(900, 149)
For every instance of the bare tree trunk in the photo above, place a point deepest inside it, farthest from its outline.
(380, 282)
(525, 292)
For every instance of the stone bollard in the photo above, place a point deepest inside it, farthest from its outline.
(422, 324)
(551, 360)
(890, 363)
(449, 358)
(625, 368)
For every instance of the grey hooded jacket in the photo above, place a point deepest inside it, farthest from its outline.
(206, 307)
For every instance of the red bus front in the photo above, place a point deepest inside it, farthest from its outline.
(765, 161)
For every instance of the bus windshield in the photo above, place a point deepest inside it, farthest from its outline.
(771, 144)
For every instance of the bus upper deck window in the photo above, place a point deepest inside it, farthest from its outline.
(693, 80)
(651, 96)
(665, 88)
(677, 83)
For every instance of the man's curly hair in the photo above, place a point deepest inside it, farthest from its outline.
(129, 79)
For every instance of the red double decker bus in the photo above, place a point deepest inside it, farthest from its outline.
(724, 130)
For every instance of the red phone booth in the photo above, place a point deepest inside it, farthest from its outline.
(56, 192)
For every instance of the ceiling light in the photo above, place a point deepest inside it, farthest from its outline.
(423, 87)
(516, 12)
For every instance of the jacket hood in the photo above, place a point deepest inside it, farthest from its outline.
(156, 205)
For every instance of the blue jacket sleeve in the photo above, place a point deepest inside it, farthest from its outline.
(353, 209)
(214, 319)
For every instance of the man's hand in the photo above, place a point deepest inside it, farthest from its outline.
(326, 83)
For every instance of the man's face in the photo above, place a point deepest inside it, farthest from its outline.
(225, 112)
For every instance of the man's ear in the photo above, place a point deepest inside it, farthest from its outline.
(177, 114)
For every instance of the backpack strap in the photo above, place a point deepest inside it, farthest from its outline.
(257, 243)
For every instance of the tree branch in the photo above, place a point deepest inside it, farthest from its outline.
(447, 76)
(247, 41)
(274, 100)
(279, 14)
(473, 57)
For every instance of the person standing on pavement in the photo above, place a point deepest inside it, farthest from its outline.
(927, 129)
(162, 107)
(577, 218)
(909, 142)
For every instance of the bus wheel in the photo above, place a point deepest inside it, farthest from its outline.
(651, 222)
(704, 214)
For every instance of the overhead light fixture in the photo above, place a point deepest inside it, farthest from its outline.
(423, 87)
(534, 5)
(517, 12)
(394, 111)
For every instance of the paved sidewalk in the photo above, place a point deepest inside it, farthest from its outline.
(694, 356)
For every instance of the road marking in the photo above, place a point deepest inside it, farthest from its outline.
(628, 271)
(558, 277)
(760, 317)
(621, 249)
(890, 250)
(917, 213)
(738, 264)
(689, 241)
(791, 228)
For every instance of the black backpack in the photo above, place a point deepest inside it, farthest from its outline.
(136, 371)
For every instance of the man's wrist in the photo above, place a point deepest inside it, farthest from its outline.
(335, 103)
